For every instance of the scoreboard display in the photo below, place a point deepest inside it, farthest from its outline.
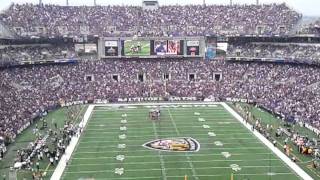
(167, 47)
(145, 47)
(136, 48)
(193, 48)
(111, 48)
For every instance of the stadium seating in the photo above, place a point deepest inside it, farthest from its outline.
(36, 52)
(304, 53)
(290, 90)
(53, 20)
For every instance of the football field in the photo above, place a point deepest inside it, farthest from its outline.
(111, 146)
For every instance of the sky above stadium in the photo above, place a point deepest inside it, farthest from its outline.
(307, 7)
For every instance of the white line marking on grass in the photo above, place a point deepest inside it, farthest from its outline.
(163, 168)
(205, 175)
(176, 155)
(205, 126)
(173, 162)
(188, 132)
(294, 167)
(218, 143)
(98, 121)
(150, 136)
(151, 150)
(74, 141)
(174, 168)
(216, 119)
(112, 146)
(194, 173)
(120, 157)
(212, 134)
(135, 140)
(146, 128)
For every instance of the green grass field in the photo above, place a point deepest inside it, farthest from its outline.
(145, 48)
(232, 147)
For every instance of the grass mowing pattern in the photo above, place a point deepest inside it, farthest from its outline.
(95, 156)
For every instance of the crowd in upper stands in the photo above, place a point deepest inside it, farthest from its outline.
(53, 20)
(36, 52)
(26, 92)
(308, 53)
(311, 28)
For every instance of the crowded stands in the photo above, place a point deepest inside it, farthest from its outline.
(54, 20)
(36, 53)
(27, 92)
(294, 52)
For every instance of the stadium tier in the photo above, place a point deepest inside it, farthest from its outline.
(307, 53)
(52, 20)
(278, 87)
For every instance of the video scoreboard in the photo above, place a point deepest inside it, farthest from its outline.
(152, 47)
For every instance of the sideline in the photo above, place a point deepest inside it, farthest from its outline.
(74, 141)
(295, 168)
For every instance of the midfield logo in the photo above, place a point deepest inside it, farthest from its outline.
(181, 144)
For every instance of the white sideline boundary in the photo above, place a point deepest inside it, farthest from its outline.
(300, 172)
(73, 143)
(58, 172)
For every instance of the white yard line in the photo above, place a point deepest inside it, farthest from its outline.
(112, 146)
(146, 150)
(176, 155)
(173, 168)
(150, 136)
(74, 141)
(179, 177)
(162, 103)
(163, 168)
(115, 129)
(194, 173)
(208, 120)
(134, 140)
(294, 167)
(174, 162)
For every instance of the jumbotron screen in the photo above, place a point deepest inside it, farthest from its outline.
(136, 48)
(193, 48)
(167, 47)
(111, 48)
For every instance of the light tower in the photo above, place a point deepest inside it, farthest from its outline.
(67, 2)
(231, 3)
(257, 2)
